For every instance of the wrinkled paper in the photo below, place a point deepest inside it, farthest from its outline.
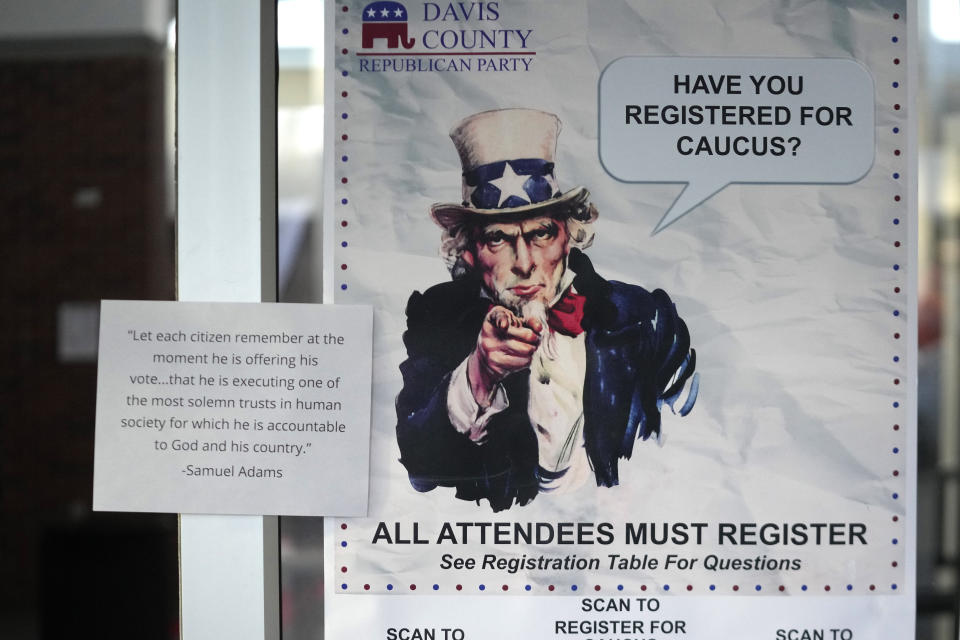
(796, 297)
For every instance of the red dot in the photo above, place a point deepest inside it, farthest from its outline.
(896, 107)
(894, 563)
(826, 588)
(896, 473)
(896, 152)
(896, 336)
(413, 587)
(504, 587)
(344, 137)
(896, 61)
(896, 198)
(366, 587)
(345, 9)
(896, 16)
(344, 223)
(344, 525)
(896, 518)
(689, 587)
(343, 180)
(596, 587)
(781, 588)
(343, 267)
(459, 587)
(896, 289)
(897, 243)
(550, 588)
(343, 569)
(896, 427)
(872, 587)
(896, 381)
(343, 94)
(343, 51)
(643, 587)
(736, 588)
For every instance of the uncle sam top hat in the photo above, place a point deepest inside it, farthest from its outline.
(508, 168)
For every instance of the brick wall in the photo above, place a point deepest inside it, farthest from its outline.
(82, 217)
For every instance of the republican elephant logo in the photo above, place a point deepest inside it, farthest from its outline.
(386, 20)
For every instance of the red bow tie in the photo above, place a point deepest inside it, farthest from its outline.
(566, 316)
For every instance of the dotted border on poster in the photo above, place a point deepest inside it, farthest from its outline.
(896, 110)
(342, 200)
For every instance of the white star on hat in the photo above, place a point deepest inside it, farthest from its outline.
(510, 184)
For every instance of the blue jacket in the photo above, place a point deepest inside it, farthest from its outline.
(635, 343)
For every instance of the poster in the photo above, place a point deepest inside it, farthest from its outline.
(232, 408)
(643, 318)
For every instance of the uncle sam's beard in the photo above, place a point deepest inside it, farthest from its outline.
(548, 341)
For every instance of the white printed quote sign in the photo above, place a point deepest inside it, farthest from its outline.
(233, 408)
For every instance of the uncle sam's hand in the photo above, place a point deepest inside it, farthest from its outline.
(506, 344)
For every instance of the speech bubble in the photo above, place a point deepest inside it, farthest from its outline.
(711, 122)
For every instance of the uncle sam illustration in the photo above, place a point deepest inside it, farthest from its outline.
(528, 372)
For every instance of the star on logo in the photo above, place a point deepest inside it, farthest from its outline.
(398, 13)
(385, 13)
(510, 184)
(371, 13)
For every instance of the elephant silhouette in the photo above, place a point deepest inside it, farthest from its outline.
(388, 21)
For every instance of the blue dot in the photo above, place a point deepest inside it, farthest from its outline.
(343, 544)
(343, 586)
(894, 587)
(896, 495)
(345, 31)
(345, 74)
(666, 587)
(896, 267)
(482, 587)
(896, 129)
(894, 541)
(713, 587)
(344, 201)
(803, 588)
(896, 358)
(895, 85)
(343, 287)
(343, 158)
(895, 39)
(896, 449)
(849, 587)
(343, 244)
(389, 587)
(758, 587)
(619, 587)
(896, 405)
(527, 587)
(896, 221)
(896, 313)
(344, 116)
(573, 587)
(896, 176)
(435, 587)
